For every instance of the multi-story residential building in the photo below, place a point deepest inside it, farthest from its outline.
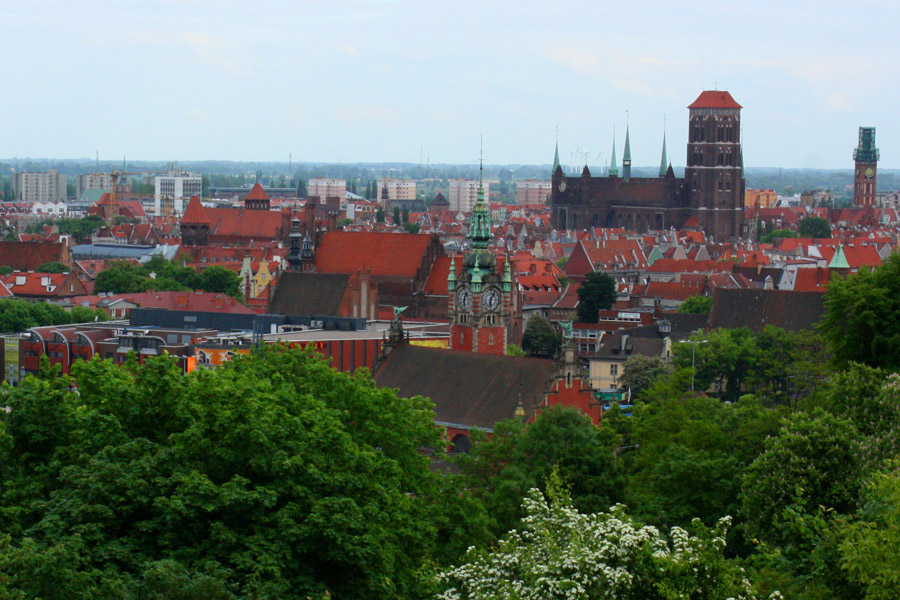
(103, 181)
(390, 190)
(760, 198)
(532, 192)
(173, 189)
(322, 188)
(464, 192)
(49, 186)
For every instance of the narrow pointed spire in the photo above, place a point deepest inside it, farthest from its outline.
(556, 154)
(613, 169)
(626, 156)
(664, 161)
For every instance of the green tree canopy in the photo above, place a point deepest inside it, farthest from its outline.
(640, 372)
(814, 461)
(770, 237)
(700, 305)
(814, 227)
(862, 316)
(221, 280)
(539, 337)
(53, 267)
(597, 292)
(273, 476)
(518, 457)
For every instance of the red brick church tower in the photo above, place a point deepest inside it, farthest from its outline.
(866, 156)
(481, 297)
(715, 170)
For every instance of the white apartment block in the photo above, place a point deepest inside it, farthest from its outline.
(49, 186)
(177, 187)
(92, 181)
(531, 192)
(464, 193)
(326, 187)
(397, 189)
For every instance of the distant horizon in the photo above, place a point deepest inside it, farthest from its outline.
(566, 168)
(423, 81)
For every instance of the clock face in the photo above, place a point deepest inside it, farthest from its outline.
(562, 185)
(491, 299)
(870, 172)
(463, 298)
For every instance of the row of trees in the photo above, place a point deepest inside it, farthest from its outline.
(18, 315)
(160, 274)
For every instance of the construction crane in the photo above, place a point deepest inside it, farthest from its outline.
(113, 205)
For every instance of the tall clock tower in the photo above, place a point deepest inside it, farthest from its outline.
(481, 298)
(864, 177)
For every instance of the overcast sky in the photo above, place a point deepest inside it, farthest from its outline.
(370, 80)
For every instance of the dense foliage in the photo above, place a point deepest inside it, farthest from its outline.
(563, 553)
(862, 321)
(81, 229)
(696, 305)
(163, 275)
(539, 337)
(18, 315)
(597, 292)
(271, 477)
(814, 227)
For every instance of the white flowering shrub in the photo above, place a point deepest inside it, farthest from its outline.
(564, 554)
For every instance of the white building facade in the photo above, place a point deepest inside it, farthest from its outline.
(175, 189)
(396, 189)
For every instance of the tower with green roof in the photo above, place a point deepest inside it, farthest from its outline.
(613, 169)
(664, 161)
(481, 300)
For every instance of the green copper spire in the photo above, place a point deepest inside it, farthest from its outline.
(451, 278)
(613, 169)
(626, 156)
(556, 155)
(839, 261)
(480, 228)
(664, 162)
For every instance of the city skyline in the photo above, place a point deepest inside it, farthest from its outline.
(419, 82)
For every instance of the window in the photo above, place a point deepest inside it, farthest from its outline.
(614, 370)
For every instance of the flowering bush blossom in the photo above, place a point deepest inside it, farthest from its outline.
(564, 554)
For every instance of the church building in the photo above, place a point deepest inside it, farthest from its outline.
(712, 190)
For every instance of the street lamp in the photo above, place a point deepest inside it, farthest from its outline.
(693, 356)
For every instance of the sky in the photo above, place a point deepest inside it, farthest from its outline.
(422, 81)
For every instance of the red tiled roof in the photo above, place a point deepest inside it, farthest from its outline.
(384, 254)
(192, 301)
(812, 280)
(28, 256)
(257, 193)
(714, 99)
(195, 213)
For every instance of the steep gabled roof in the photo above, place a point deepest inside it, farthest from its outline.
(195, 215)
(309, 294)
(468, 389)
(714, 99)
(385, 254)
(257, 193)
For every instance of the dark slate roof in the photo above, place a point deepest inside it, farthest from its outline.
(612, 347)
(736, 308)
(308, 294)
(468, 389)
